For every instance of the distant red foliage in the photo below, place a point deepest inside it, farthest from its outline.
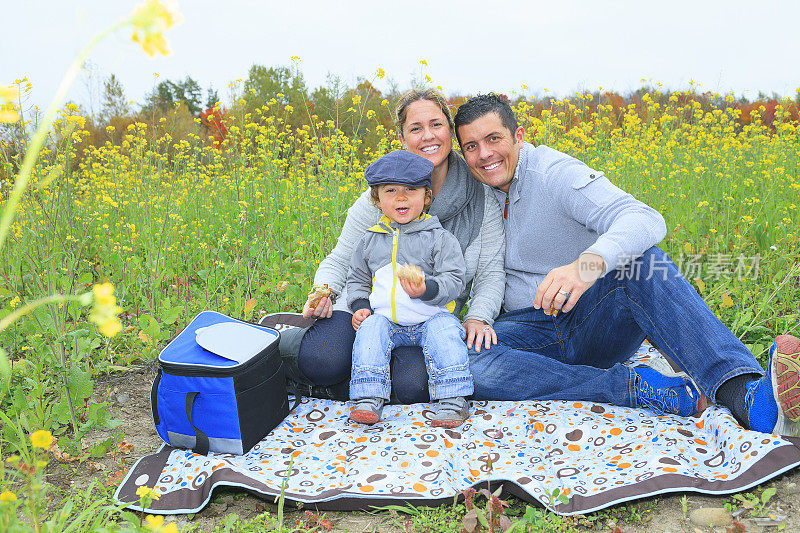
(766, 110)
(213, 120)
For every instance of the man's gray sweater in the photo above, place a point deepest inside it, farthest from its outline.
(559, 208)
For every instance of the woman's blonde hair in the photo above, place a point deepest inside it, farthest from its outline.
(415, 95)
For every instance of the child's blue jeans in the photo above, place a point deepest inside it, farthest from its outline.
(441, 338)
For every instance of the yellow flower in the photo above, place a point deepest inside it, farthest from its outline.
(41, 439)
(153, 44)
(149, 21)
(727, 301)
(153, 522)
(147, 492)
(104, 294)
(156, 523)
(8, 497)
(109, 328)
(7, 114)
(105, 310)
(700, 284)
(9, 92)
(380, 73)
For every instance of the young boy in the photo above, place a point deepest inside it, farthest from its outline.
(389, 311)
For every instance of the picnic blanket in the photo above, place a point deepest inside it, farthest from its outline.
(596, 454)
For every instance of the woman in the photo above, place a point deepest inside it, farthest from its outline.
(320, 356)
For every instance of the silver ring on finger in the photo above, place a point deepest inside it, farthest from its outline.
(487, 328)
(563, 292)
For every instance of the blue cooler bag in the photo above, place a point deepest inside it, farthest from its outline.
(220, 386)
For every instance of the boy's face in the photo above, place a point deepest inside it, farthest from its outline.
(401, 203)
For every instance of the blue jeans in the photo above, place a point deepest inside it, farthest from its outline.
(320, 367)
(577, 355)
(441, 338)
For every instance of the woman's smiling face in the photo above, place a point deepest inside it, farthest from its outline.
(426, 132)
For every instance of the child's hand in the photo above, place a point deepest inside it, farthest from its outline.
(359, 317)
(413, 290)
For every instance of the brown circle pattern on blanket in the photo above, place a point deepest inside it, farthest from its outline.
(582, 449)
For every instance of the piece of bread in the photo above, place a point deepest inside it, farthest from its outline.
(411, 273)
(552, 312)
(318, 292)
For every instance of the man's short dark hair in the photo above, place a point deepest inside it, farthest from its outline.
(480, 105)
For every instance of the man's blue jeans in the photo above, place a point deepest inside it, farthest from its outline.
(441, 338)
(577, 355)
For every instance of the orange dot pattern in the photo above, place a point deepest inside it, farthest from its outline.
(596, 453)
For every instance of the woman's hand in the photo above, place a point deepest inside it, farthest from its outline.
(359, 317)
(480, 333)
(324, 309)
(415, 291)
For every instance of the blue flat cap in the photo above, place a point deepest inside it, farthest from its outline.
(401, 167)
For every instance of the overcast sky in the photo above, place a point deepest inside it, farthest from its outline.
(470, 46)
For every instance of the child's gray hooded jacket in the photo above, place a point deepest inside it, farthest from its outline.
(372, 280)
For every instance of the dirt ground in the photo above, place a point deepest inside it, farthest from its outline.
(129, 394)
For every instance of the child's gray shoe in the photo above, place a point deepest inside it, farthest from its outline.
(367, 410)
(450, 412)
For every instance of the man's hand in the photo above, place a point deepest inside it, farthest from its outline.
(359, 317)
(480, 333)
(324, 309)
(413, 290)
(569, 280)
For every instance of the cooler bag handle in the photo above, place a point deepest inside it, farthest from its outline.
(297, 397)
(201, 439)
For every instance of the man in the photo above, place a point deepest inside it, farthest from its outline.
(578, 244)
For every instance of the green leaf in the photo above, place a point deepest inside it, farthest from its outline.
(407, 509)
(79, 383)
(61, 412)
(482, 518)
(100, 413)
(100, 449)
(768, 494)
(173, 314)
(294, 292)
(5, 370)
(130, 518)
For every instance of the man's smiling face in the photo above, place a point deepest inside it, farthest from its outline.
(491, 150)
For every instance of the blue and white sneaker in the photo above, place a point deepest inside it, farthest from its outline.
(666, 394)
(773, 402)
